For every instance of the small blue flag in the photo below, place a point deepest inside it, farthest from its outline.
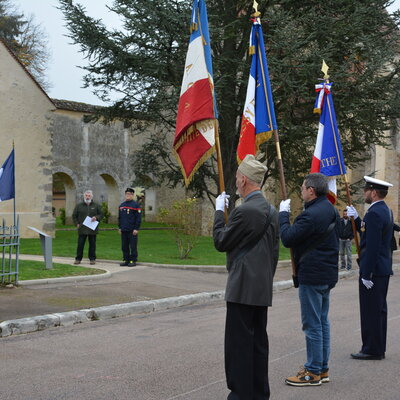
(7, 178)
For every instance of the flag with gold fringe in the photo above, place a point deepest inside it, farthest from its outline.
(258, 119)
(196, 119)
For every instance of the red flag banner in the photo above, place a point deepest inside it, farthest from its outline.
(196, 119)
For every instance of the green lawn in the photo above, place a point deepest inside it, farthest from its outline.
(156, 246)
(37, 270)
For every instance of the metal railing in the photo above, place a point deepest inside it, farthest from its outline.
(9, 245)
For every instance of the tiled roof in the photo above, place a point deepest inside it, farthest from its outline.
(74, 106)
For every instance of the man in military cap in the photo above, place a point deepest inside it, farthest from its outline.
(375, 268)
(129, 219)
(251, 240)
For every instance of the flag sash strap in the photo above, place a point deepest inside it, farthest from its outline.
(196, 125)
(258, 119)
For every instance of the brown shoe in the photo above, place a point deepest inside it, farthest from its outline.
(92, 262)
(304, 378)
(325, 376)
(76, 262)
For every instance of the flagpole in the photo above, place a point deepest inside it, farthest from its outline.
(257, 14)
(324, 69)
(14, 189)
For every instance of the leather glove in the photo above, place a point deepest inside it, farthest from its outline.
(352, 212)
(368, 284)
(284, 206)
(221, 202)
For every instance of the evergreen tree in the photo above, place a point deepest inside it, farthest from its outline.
(144, 60)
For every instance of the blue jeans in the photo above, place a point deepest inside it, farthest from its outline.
(314, 302)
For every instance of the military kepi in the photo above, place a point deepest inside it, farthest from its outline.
(373, 183)
(129, 190)
(252, 168)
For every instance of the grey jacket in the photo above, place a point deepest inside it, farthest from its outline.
(251, 263)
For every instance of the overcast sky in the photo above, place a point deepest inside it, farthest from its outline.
(64, 74)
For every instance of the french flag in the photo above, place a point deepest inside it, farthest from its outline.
(196, 119)
(258, 119)
(328, 156)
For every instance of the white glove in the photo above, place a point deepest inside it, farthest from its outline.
(284, 206)
(368, 284)
(222, 201)
(352, 212)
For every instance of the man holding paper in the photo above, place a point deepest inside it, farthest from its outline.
(87, 216)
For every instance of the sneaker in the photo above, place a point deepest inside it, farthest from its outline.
(92, 262)
(124, 264)
(304, 378)
(76, 262)
(132, 264)
(325, 376)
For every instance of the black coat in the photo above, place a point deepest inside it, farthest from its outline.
(345, 229)
(250, 269)
(375, 244)
(320, 265)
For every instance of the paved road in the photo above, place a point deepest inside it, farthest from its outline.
(178, 354)
(125, 285)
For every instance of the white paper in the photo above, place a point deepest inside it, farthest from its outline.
(90, 224)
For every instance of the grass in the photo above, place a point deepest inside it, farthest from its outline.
(155, 246)
(37, 270)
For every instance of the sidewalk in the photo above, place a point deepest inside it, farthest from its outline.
(139, 289)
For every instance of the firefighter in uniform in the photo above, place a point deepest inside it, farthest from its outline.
(129, 219)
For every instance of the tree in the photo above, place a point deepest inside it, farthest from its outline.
(144, 62)
(26, 39)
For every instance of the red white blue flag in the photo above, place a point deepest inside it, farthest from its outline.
(258, 120)
(328, 156)
(196, 119)
(7, 178)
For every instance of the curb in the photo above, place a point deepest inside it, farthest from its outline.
(70, 318)
(66, 279)
(42, 322)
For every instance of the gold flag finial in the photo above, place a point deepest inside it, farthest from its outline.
(256, 12)
(324, 69)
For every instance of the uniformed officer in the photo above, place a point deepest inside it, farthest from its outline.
(375, 268)
(129, 219)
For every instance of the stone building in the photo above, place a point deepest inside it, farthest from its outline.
(59, 155)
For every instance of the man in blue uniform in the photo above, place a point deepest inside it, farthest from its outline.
(129, 219)
(375, 268)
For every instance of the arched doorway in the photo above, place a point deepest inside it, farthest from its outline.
(64, 195)
(111, 196)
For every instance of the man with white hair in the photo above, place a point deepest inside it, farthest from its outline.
(87, 208)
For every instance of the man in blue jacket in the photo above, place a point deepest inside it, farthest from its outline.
(315, 241)
(129, 219)
(375, 268)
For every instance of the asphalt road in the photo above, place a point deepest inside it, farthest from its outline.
(178, 354)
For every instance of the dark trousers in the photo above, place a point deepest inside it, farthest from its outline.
(129, 246)
(246, 352)
(81, 246)
(373, 313)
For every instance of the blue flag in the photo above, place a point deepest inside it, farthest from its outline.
(258, 119)
(7, 179)
(328, 155)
